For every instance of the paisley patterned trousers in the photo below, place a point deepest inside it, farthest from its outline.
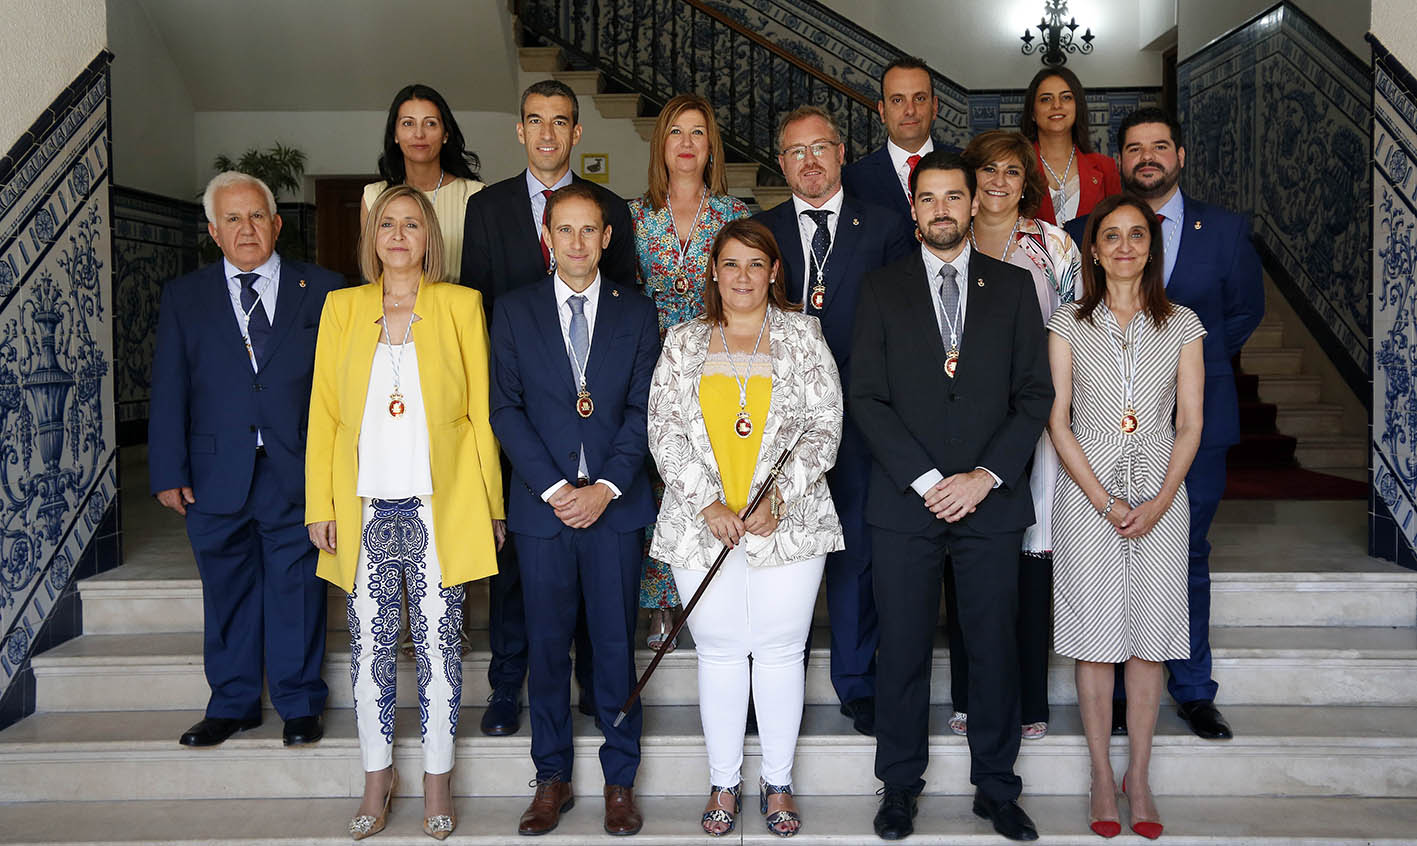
(396, 553)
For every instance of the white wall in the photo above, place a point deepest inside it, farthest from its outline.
(1395, 24)
(1200, 22)
(152, 109)
(1156, 23)
(42, 48)
(977, 43)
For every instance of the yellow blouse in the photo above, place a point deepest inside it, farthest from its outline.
(736, 457)
(450, 204)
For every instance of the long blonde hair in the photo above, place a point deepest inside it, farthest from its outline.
(371, 267)
(715, 177)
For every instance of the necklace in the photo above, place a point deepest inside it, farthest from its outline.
(743, 426)
(1127, 369)
(396, 406)
(434, 198)
(1008, 242)
(818, 296)
(681, 247)
(398, 302)
(246, 319)
(1060, 196)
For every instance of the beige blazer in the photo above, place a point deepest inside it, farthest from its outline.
(806, 398)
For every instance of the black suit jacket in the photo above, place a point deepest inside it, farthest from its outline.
(501, 250)
(914, 417)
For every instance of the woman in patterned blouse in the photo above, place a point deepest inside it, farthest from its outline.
(1011, 189)
(675, 223)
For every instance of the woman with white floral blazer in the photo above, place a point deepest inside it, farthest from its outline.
(732, 390)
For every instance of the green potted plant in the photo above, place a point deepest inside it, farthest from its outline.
(280, 167)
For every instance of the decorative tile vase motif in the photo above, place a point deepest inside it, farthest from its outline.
(57, 476)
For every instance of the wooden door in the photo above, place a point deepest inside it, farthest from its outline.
(337, 202)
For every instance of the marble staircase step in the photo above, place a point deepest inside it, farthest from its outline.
(1277, 751)
(1268, 335)
(1305, 419)
(1280, 389)
(645, 127)
(1273, 362)
(1061, 820)
(1332, 452)
(1253, 665)
(613, 106)
(582, 82)
(541, 59)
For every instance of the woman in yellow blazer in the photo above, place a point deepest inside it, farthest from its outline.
(401, 461)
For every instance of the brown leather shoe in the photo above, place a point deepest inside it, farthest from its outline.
(553, 798)
(622, 816)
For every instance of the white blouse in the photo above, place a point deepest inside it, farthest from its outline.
(393, 451)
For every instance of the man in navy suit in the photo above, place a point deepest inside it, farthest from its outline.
(1212, 269)
(572, 359)
(829, 240)
(907, 107)
(226, 450)
(502, 251)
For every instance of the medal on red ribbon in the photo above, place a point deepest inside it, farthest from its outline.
(585, 406)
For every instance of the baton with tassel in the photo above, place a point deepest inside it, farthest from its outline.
(694, 600)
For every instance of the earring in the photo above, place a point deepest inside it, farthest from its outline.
(1094, 260)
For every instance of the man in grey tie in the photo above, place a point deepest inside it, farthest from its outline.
(951, 390)
(572, 359)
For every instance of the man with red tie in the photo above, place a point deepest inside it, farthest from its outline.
(907, 107)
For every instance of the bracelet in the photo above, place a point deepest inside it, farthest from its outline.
(774, 501)
(1111, 500)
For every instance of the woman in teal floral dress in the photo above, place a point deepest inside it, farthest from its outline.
(675, 224)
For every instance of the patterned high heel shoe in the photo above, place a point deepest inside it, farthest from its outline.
(777, 818)
(1150, 829)
(364, 825)
(717, 814)
(438, 826)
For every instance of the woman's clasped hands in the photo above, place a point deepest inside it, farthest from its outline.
(729, 527)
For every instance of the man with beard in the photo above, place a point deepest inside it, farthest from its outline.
(829, 240)
(1213, 269)
(951, 390)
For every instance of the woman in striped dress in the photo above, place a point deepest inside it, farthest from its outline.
(1123, 359)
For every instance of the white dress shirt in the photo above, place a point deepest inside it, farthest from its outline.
(808, 227)
(563, 293)
(267, 287)
(1174, 218)
(899, 157)
(933, 263)
(538, 200)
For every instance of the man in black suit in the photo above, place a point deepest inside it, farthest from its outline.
(907, 107)
(951, 390)
(829, 240)
(503, 249)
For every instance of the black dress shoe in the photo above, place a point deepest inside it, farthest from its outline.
(1119, 718)
(1205, 720)
(503, 714)
(895, 819)
(213, 730)
(862, 713)
(1008, 818)
(302, 730)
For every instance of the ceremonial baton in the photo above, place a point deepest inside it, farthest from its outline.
(694, 600)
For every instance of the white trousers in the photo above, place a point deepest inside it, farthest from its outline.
(397, 554)
(765, 612)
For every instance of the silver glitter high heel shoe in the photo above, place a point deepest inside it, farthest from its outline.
(364, 825)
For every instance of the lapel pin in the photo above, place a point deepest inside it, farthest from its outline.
(855, 221)
(614, 292)
(302, 283)
(1198, 224)
(980, 282)
(1094, 180)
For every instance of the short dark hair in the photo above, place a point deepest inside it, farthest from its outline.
(551, 88)
(1149, 114)
(905, 63)
(998, 144)
(1082, 136)
(581, 190)
(944, 160)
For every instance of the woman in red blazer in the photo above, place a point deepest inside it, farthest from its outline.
(1078, 178)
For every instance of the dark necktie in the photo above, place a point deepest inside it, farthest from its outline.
(821, 246)
(258, 325)
(545, 250)
(950, 319)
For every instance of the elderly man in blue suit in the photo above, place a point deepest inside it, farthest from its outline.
(572, 359)
(226, 450)
(830, 239)
(1212, 269)
(907, 107)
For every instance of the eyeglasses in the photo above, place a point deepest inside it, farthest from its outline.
(799, 153)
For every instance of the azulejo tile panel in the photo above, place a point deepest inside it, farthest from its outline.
(1277, 121)
(57, 473)
(1106, 108)
(1394, 284)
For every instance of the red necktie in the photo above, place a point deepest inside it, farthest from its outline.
(1160, 218)
(912, 161)
(545, 251)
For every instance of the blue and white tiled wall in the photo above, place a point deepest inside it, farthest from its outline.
(1106, 108)
(58, 469)
(1393, 503)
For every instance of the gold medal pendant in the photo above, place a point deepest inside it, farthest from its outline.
(1129, 422)
(681, 285)
(951, 362)
(819, 296)
(396, 407)
(743, 426)
(585, 406)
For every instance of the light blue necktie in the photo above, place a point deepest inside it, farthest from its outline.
(580, 333)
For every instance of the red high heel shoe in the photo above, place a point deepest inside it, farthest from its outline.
(1150, 829)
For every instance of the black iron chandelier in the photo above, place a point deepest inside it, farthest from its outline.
(1056, 37)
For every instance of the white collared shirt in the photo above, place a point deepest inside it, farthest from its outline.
(899, 156)
(267, 287)
(1174, 219)
(808, 227)
(538, 199)
(563, 294)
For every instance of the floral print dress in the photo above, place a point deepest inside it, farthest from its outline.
(658, 263)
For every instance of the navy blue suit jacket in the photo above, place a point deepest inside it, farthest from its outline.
(1218, 276)
(872, 178)
(207, 402)
(534, 397)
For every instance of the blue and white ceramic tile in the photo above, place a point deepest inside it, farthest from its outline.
(57, 473)
(1106, 108)
(1394, 283)
(1277, 119)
